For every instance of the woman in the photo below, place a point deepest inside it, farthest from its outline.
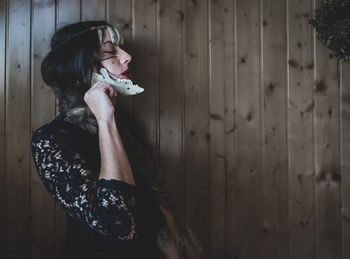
(90, 161)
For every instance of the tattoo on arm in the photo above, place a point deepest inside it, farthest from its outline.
(164, 236)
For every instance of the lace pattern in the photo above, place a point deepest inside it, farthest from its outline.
(103, 204)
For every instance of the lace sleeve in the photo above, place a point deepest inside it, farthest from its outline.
(102, 206)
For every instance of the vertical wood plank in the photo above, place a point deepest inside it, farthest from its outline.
(345, 155)
(93, 10)
(273, 94)
(145, 58)
(119, 14)
(42, 228)
(300, 131)
(328, 177)
(249, 214)
(3, 25)
(197, 137)
(194, 76)
(231, 131)
(17, 142)
(68, 11)
(171, 94)
(221, 114)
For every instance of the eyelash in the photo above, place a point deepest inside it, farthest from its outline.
(110, 52)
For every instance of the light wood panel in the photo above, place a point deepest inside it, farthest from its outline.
(171, 22)
(144, 44)
(42, 225)
(3, 23)
(327, 157)
(93, 10)
(230, 69)
(249, 199)
(301, 132)
(345, 154)
(274, 134)
(221, 114)
(67, 12)
(246, 114)
(17, 128)
(196, 119)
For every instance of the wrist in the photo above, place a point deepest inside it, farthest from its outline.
(106, 122)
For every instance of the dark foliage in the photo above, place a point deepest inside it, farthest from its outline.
(332, 24)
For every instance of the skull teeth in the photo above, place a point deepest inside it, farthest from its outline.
(124, 80)
(123, 85)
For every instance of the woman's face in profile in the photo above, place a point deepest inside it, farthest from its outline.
(114, 58)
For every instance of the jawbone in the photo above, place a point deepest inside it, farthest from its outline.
(123, 86)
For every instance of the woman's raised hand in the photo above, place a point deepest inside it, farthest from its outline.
(99, 99)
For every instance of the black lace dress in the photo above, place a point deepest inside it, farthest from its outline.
(106, 218)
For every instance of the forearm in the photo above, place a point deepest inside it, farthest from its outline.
(166, 244)
(114, 161)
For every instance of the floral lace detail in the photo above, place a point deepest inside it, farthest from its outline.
(100, 203)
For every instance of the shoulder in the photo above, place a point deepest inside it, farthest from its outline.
(55, 130)
(60, 134)
(66, 138)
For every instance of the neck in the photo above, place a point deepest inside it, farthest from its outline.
(82, 117)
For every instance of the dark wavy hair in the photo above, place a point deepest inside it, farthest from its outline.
(68, 67)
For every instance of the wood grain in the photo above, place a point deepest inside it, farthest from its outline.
(301, 132)
(232, 221)
(345, 154)
(230, 75)
(68, 11)
(246, 113)
(42, 225)
(248, 146)
(327, 157)
(17, 143)
(171, 94)
(93, 10)
(274, 119)
(3, 28)
(145, 56)
(221, 113)
(197, 135)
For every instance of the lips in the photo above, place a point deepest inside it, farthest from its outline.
(125, 74)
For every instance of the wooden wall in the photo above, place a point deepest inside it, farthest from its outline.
(247, 113)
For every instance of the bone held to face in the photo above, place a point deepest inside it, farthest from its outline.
(123, 86)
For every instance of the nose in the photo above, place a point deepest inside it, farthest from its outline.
(126, 57)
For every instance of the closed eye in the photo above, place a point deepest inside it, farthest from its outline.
(108, 58)
(109, 52)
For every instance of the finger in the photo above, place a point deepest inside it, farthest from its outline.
(96, 85)
(109, 90)
(100, 84)
(111, 93)
(105, 86)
